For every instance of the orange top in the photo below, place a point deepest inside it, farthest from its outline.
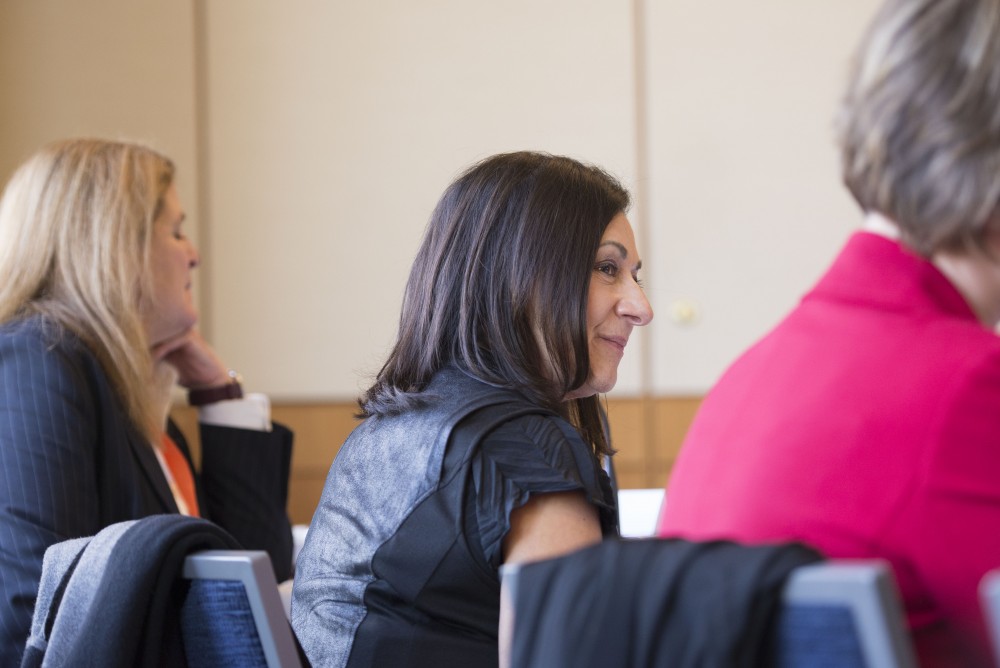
(182, 484)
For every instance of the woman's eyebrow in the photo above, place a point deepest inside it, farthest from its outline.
(620, 247)
(622, 250)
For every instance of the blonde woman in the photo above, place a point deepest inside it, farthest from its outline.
(96, 324)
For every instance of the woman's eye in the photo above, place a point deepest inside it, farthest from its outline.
(607, 268)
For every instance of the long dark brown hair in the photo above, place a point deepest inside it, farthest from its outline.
(499, 286)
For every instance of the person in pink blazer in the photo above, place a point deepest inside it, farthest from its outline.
(867, 423)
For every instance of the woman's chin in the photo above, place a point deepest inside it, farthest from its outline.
(591, 387)
(164, 335)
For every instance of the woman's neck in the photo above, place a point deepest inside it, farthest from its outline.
(974, 271)
(976, 274)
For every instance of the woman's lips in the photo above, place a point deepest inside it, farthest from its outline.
(618, 342)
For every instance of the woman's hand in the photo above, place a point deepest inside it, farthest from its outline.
(196, 363)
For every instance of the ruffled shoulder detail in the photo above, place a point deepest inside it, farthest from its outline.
(532, 454)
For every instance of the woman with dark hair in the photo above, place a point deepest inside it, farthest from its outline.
(483, 438)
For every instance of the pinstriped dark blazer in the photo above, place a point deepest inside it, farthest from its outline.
(71, 463)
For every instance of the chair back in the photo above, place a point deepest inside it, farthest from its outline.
(835, 614)
(989, 594)
(843, 614)
(233, 615)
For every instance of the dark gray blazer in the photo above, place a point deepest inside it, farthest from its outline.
(72, 463)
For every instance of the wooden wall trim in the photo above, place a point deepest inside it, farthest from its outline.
(646, 432)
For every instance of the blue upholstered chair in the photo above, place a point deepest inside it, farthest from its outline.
(232, 615)
(843, 614)
(989, 594)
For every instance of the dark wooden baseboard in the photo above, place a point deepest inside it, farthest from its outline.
(646, 432)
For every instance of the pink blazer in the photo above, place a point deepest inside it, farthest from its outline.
(866, 424)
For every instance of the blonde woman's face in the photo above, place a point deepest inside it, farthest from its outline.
(170, 310)
(615, 305)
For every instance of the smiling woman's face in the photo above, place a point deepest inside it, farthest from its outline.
(615, 304)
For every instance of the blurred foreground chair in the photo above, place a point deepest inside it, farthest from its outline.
(233, 615)
(843, 614)
(680, 603)
(165, 590)
(989, 594)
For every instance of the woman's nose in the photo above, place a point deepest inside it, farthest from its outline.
(634, 306)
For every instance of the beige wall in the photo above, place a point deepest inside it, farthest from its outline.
(333, 129)
(745, 206)
(313, 139)
(107, 68)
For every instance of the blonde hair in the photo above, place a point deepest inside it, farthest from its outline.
(75, 230)
(920, 124)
